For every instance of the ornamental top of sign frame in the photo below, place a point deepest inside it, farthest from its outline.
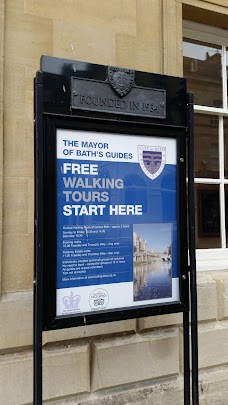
(121, 80)
(118, 94)
(71, 87)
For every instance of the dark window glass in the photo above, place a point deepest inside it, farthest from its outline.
(203, 71)
(226, 212)
(207, 216)
(227, 72)
(226, 147)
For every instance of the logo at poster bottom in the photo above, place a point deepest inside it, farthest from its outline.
(98, 299)
(152, 160)
(71, 302)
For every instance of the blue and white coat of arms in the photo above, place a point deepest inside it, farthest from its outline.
(152, 160)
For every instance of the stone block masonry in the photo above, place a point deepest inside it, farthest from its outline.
(120, 363)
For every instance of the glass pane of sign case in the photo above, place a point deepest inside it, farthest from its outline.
(117, 221)
(115, 208)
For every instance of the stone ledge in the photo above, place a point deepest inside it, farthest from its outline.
(80, 332)
(151, 322)
(127, 360)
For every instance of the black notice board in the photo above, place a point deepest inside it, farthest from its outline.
(111, 233)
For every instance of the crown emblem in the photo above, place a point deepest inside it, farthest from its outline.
(71, 301)
(121, 80)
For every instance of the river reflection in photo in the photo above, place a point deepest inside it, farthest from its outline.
(152, 280)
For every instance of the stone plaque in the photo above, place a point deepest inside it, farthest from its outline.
(119, 96)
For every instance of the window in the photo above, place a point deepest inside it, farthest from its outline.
(205, 58)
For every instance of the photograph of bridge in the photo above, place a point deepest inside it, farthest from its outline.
(152, 261)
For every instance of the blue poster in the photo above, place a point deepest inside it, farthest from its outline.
(116, 221)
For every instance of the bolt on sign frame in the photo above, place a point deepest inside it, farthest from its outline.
(111, 219)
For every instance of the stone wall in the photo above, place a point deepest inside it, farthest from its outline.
(135, 361)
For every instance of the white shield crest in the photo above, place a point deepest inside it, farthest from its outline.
(152, 160)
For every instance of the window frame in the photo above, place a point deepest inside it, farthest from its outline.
(213, 259)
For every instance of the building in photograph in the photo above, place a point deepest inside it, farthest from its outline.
(140, 248)
(129, 361)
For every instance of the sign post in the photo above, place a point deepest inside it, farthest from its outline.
(192, 254)
(111, 220)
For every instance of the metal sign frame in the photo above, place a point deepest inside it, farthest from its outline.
(55, 88)
(50, 320)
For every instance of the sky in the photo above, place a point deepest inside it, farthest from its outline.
(197, 51)
(158, 236)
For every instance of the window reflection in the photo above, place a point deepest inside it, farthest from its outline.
(226, 212)
(227, 72)
(207, 216)
(226, 147)
(206, 146)
(202, 69)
